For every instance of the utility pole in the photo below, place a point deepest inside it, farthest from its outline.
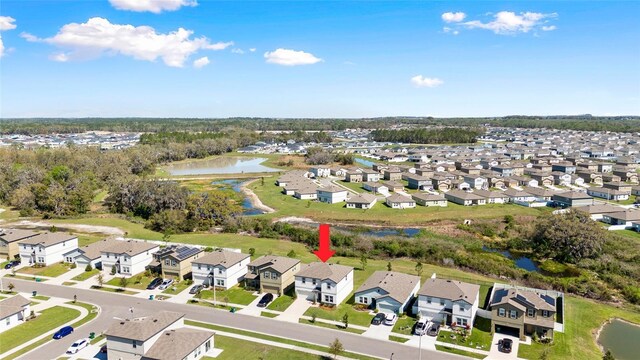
(214, 286)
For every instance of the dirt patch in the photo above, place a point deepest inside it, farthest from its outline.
(108, 230)
(255, 200)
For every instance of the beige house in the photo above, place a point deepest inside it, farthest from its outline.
(175, 261)
(9, 242)
(273, 274)
(522, 312)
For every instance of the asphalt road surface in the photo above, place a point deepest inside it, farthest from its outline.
(117, 305)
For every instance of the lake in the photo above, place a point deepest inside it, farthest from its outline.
(220, 165)
(622, 339)
(521, 262)
(247, 206)
(364, 162)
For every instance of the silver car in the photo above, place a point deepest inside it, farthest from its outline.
(421, 327)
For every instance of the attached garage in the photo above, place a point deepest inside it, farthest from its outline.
(507, 330)
(171, 275)
(305, 294)
(271, 289)
(388, 305)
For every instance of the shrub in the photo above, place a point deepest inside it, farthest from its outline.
(88, 268)
(73, 266)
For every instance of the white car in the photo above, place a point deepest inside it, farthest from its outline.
(421, 327)
(77, 346)
(165, 284)
(390, 319)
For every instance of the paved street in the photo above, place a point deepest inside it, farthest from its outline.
(116, 305)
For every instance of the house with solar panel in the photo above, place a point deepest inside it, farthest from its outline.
(522, 312)
(174, 261)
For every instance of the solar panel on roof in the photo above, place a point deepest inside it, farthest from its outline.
(549, 300)
(185, 252)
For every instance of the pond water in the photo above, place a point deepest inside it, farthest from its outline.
(622, 339)
(247, 206)
(521, 262)
(220, 165)
(367, 163)
(378, 232)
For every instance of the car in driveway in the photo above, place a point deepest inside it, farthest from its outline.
(433, 329)
(165, 284)
(77, 346)
(421, 327)
(390, 319)
(266, 299)
(11, 264)
(63, 332)
(154, 283)
(196, 289)
(505, 345)
(378, 319)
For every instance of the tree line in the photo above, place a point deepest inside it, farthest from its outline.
(427, 136)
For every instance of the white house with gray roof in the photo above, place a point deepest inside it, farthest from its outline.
(223, 268)
(388, 291)
(128, 257)
(450, 301)
(47, 248)
(13, 311)
(325, 283)
(89, 254)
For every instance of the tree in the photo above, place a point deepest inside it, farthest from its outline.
(336, 348)
(608, 356)
(363, 261)
(252, 251)
(113, 270)
(389, 267)
(314, 316)
(568, 237)
(419, 268)
(11, 287)
(124, 281)
(291, 254)
(100, 279)
(345, 320)
(226, 301)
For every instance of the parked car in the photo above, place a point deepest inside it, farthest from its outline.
(266, 299)
(421, 327)
(165, 284)
(11, 264)
(154, 283)
(196, 289)
(433, 330)
(390, 319)
(378, 319)
(103, 349)
(63, 332)
(505, 345)
(77, 346)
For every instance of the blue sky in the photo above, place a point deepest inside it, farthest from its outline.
(318, 59)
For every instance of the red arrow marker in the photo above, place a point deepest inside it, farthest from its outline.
(324, 251)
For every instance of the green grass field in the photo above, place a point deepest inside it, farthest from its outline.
(86, 275)
(404, 325)
(331, 326)
(108, 289)
(281, 303)
(133, 284)
(234, 349)
(49, 320)
(176, 287)
(362, 318)
(54, 270)
(236, 295)
(460, 352)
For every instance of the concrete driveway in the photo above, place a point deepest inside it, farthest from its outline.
(295, 310)
(68, 276)
(381, 331)
(494, 353)
(428, 342)
(91, 352)
(253, 309)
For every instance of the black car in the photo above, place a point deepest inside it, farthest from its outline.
(11, 264)
(505, 345)
(378, 319)
(433, 329)
(266, 299)
(196, 289)
(154, 283)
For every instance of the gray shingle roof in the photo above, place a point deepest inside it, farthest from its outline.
(278, 263)
(92, 251)
(223, 258)
(361, 199)
(12, 305)
(130, 247)
(399, 286)
(177, 344)
(144, 328)
(517, 298)
(322, 271)
(450, 289)
(47, 238)
(11, 235)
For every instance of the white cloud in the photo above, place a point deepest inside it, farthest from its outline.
(421, 81)
(508, 22)
(154, 6)
(448, 30)
(59, 57)
(237, 51)
(200, 63)
(252, 49)
(98, 36)
(28, 37)
(6, 23)
(289, 57)
(453, 17)
(549, 28)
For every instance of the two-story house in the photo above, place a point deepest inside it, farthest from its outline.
(388, 291)
(174, 261)
(325, 283)
(223, 268)
(128, 257)
(448, 301)
(13, 311)
(273, 274)
(46, 248)
(9, 238)
(157, 337)
(522, 312)
(332, 195)
(89, 254)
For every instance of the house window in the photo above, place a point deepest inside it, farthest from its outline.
(531, 312)
(328, 298)
(9, 321)
(107, 255)
(428, 299)
(314, 281)
(173, 263)
(40, 259)
(364, 300)
(220, 282)
(207, 346)
(199, 266)
(545, 313)
(328, 286)
(267, 275)
(304, 280)
(461, 321)
(219, 271)
(135, 345)
(513, 314)
(167, 262)
(501, 312)
(442, 302)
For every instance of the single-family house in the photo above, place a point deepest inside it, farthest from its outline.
(541, 194)
(354, 176)
(627, 175)
(369, 175)
(89, 254)
(572, 198)
(519, 197)
(306, 192)
(332, 195)
(418, 182)
(328, 284)
(448, 301)
(273, 274)
(9, 238)
(565, 167)
(221, 268)
(13, 311)
(608, 193)
(320, 171)
(128, 257)
(493, 197)
(361, 201)
(397, 201)
(476, 181)
(625, 217)
(388, 291)
(426, 199)
(597, 211)
(465, 198)
(393, 186)
(543, 179)
(174, 261)
(47, 248)
(376, 187)
(392, 174)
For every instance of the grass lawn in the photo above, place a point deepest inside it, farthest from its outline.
(69, 283)
(361, 318)
(268, 314)
(485, 291)
(477, 338)
(177, 287)
(86, 239)
(331, 326)
(93, 312)
(133, 281)
(248, 350)
(582, 320)
(404, 325)
(96, 339)
(236, 295)
(460, 352)
(22, 277)
(281, 303)
(85, 275)
(41, 297)
(398, 339)
(54, 270)
(208, 304)
(49, 320)
(108, 289)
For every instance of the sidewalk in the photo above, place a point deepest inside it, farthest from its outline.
(66, 276)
